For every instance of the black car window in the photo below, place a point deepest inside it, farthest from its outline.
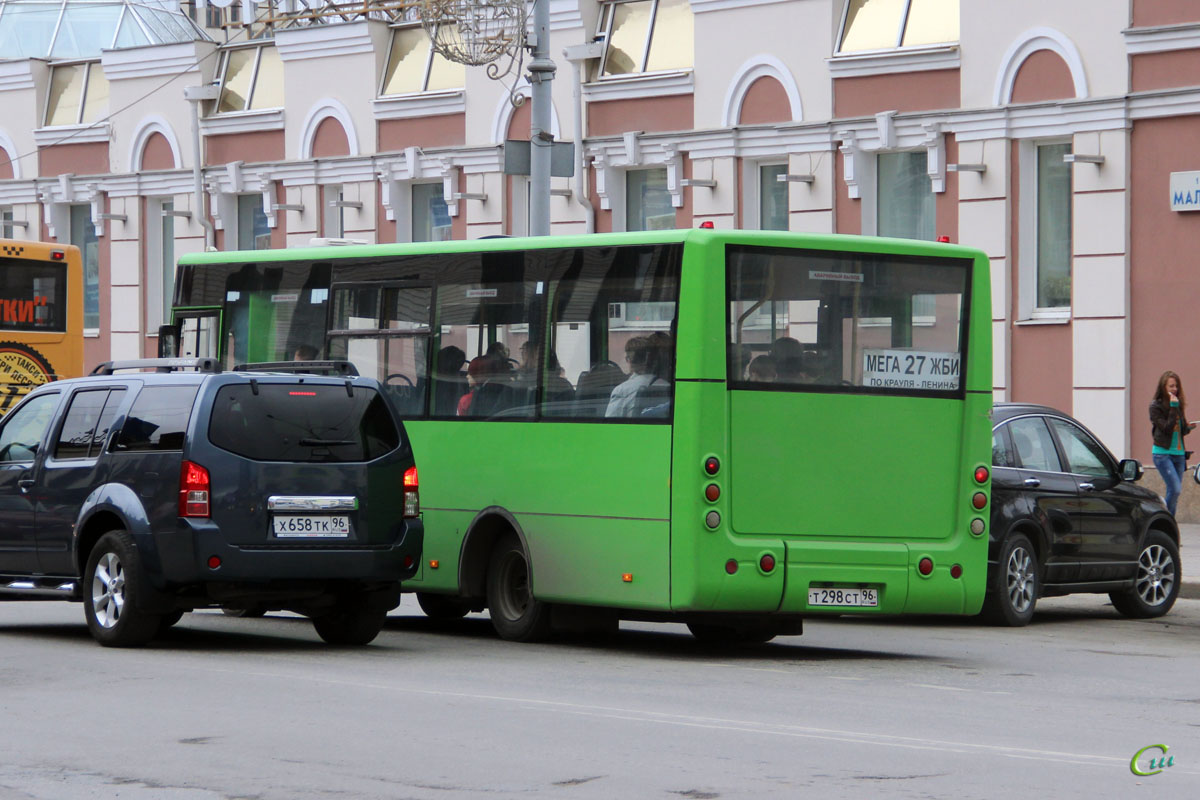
(79, 424)
(302, 422)
(158, 419)
(25, 428)
(1034, 446)
(104, 424)
(1084, 454)
(1002, 449)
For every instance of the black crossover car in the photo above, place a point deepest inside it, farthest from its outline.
(1067, 517)
(148, 494)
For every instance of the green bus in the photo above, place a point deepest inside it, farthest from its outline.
(730, 429)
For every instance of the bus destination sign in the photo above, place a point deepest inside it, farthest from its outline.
(911, 369)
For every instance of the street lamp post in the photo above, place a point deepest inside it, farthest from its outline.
(541, 138)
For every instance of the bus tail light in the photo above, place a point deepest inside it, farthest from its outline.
(767, 562)
(712, 492)
(956, 571)
(711, 465)
(731, 566)
(193, 490)
(412, 500)
(58, 255)
(979, 500)
(981, 474)
(925, 566)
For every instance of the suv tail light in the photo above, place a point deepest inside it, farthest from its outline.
(412, 501)
(193, 490)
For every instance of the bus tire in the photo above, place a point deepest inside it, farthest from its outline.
(1156, 585)
(113, 583)
(725, 635)
(517, 615)
(1016, 584)
(442, 607)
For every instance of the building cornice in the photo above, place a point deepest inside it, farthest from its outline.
(15, 75)
(73, 134)
(707, 6)
(424, 104)
(155, 61)
(923, 59)
(636, 86)
(243, 122)
(327, 41)
(1161, 39)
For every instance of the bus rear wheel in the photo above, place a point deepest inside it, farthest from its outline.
(516, 615)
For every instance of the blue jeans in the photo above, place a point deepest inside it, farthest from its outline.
(1171, 468)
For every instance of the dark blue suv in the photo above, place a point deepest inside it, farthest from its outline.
(148, 494)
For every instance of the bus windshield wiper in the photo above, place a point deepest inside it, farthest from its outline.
(325, 442)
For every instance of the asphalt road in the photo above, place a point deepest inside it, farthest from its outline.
(914, 708)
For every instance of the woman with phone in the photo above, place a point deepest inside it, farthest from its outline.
(1168, 427)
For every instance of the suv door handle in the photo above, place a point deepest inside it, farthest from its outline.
(25, 484)
(1032, 483)
(1087, 487)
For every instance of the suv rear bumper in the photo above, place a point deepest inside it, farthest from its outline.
(185, 554)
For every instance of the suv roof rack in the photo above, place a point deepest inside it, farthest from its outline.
(338, 368)
(160, 365)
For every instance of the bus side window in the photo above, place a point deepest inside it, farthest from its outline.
(609, 300)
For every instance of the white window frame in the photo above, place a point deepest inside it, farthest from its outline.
(1027, 235)
(753, 190)
(160, 265)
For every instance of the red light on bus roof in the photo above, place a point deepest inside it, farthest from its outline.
(303, 394)
(707, 225)
(981, 474)
(944, 239)
(925, 566)
(57, 255)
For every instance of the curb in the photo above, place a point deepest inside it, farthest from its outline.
(1189, 590)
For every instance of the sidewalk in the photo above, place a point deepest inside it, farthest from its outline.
(1189, 557)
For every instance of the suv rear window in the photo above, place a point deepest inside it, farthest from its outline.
(302, 422)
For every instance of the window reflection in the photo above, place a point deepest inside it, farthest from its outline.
(887, 24)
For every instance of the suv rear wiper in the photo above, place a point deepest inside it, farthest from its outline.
(325, 442)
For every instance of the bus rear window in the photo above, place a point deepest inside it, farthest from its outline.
(835, 321)
(33, 296)
(302, 422)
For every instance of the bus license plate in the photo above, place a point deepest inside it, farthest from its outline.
(301, 526)
(849, 597)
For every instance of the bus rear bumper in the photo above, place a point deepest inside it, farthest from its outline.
(840, 577)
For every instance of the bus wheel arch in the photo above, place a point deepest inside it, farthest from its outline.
(489, 526)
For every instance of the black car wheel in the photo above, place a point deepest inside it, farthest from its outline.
(1157, 583)
(442, 607)
(1015, 585)
(354, 620)
(516, 615)
(112, 585)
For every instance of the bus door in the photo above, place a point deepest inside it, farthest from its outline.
(198, 332)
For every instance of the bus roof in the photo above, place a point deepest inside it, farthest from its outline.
(703, 236)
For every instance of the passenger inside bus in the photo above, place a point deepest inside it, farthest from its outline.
(449, 382)
(645, 388)
(762, 370)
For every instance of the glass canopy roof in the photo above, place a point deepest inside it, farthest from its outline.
(64, 29)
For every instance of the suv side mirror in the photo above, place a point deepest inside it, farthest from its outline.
(1131, 469)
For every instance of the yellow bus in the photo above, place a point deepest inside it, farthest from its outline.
(41, 316)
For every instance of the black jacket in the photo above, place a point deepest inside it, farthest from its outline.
(1163, 421)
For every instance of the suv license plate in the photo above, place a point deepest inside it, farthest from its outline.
(850, 597)
(302, 526)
